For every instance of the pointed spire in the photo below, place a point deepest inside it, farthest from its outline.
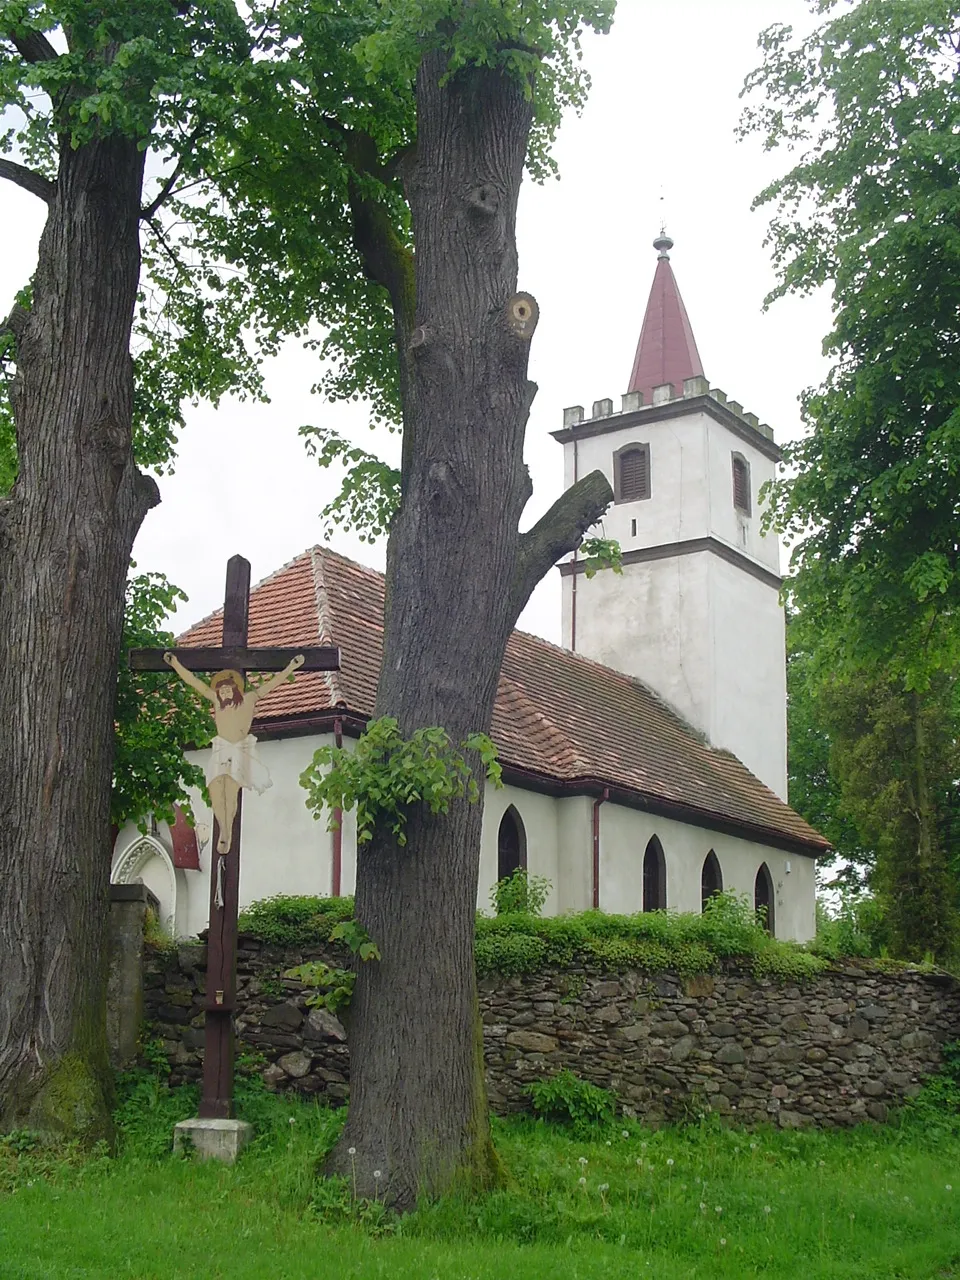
(667, 350)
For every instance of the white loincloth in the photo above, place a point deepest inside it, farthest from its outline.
(239, 761)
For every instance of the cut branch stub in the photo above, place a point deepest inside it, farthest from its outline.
(521, 315)
(484, 199)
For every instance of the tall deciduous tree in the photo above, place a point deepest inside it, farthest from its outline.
(424, 194)
(90, 87)
(894, 755)
(871, 99)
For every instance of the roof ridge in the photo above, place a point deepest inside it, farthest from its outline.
(321, 600)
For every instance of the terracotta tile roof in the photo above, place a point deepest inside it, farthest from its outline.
(558, 715)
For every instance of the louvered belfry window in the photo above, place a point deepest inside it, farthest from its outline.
(741, 484)
(632, 473)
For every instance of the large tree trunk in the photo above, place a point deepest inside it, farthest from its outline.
(66, 534)
(458, 574)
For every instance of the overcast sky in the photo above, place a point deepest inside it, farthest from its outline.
(659, 123)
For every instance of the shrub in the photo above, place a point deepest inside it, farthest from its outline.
(520, 892)
(520, 941)
(295, 920)
(567, 1099)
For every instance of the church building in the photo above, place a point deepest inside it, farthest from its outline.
(644, 760)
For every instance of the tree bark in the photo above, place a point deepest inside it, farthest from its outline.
(458, 573)
(65, 541)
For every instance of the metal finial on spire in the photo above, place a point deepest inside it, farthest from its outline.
(663, 243)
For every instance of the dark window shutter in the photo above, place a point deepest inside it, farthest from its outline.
(634, 475)
(741, 485)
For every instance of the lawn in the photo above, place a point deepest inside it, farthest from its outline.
(699, 1201)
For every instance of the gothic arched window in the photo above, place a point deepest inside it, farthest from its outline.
(741, 484)
(763, 898)
(711, 879)
(654, 877)
(631, 473)
(511, 844)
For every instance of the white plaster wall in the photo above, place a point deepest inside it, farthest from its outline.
(624, 834)
(724, 520)
(653, 622)
(708, 638)
(575, 853)
(749, 712)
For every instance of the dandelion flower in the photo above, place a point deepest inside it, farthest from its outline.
(378, 1173)
(625, 1133)
(753, 1146)
(609, 1143)
(722, 1241)
(351, 1151)
(703, 1207)
(670, 1161)
(604, 1186)
(766, 1208)
(583, 1182)
(582, 1161)
(719, 1209)
(640, 1165)
(293, 1119)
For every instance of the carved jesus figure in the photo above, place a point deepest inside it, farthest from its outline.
(234, 761)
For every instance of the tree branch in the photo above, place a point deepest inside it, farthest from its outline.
(32, 46)
(559, 531)
(168, 248)
(386, 259)
(33, 182)
(147, 213)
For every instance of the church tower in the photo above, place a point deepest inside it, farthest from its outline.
(696, 613)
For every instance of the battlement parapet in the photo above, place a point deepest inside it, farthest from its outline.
(632, 402)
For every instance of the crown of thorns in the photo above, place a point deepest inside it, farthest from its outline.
(222, 677)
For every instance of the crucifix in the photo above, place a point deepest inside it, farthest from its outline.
(234, 765)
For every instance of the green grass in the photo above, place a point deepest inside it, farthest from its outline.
(871, 1203)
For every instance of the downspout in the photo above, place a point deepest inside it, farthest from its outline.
(604, 795)
(573, 579)
(337, 868)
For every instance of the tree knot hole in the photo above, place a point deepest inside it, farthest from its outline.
(419, 338)
(522, 314)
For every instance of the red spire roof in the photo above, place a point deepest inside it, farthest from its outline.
(667, 350)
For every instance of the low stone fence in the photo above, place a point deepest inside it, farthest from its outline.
(842, 1047)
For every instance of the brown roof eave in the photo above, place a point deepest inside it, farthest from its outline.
(300, 726)
(630, 798)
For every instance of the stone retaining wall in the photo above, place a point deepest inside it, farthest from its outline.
(835, 1050)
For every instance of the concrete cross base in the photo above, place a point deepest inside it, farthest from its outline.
(212, 1139)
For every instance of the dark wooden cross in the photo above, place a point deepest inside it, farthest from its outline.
(217, 1095)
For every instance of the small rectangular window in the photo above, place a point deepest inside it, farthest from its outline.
(633, 528)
